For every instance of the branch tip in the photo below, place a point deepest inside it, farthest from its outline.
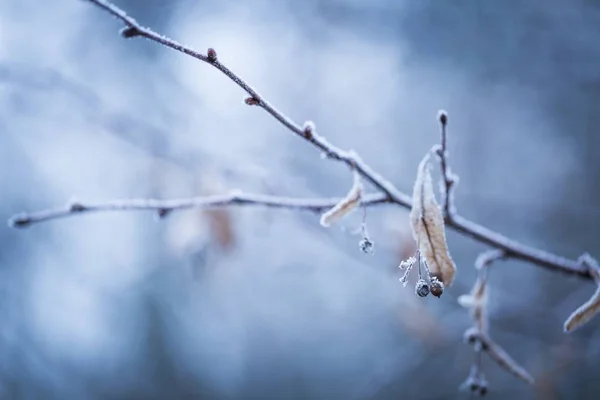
(19, 221)
(443, 117)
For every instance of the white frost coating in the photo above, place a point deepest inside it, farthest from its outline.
(346, 205)
(309, 126)
(427, 225)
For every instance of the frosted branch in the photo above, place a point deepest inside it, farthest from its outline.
(511, 247)
(164, 207)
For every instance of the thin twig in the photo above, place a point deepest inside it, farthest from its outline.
(448, 180)
(512, 248)
(478, 335)
(164, 207)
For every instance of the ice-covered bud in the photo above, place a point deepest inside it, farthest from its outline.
(211, 54)
(308, 128)
(408, 263)
(129, 32)
(366, 245)
(422, 288)
(443, 117)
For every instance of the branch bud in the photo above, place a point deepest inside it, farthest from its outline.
(211, 54)
(443, 117)
(129, 32)
(309, 128)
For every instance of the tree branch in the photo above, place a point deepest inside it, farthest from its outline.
(477, 335)
(391, 194)
(164, 207)
(448, 179)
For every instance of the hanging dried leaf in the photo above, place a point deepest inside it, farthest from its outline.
(220, 221)
(427, 225)
(591, 307)
(346, 205)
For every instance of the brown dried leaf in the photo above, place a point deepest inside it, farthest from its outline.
(219, 219)
(346, 205)
(221, 227)
(428, 229)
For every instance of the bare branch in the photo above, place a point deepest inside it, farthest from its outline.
(164, 207)
(476, 302)
(512, 248)
(448, 179)
(496, 353)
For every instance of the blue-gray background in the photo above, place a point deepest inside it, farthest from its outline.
(117, 306)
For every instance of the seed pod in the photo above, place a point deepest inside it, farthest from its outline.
(422, 288)
(436, 287)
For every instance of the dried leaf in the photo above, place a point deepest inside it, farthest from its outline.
(591, 307)
(584, 313)
(346, 205)
(504, 360)
(427, 225)
(221, 224)
(221, 227)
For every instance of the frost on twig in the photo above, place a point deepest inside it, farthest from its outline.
(449, 180)
(478, 336)
(428, 228)
(498, 354)
(346, 205)
(590, 308)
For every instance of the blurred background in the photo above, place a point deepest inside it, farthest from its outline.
(252, 303)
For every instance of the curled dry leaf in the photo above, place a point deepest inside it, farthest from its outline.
(591, 307)
(584, 313)
(346, 205)
(428, 229)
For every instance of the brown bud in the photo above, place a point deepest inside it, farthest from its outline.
(162, 212)
(251, 101)
(212, 55)
(443, 117)
(76, 207)
(129, 32)
(308, 128)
